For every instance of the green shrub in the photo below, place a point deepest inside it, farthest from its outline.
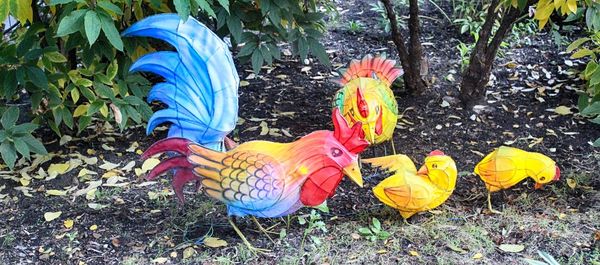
(589, 47)
(66, 58)
(17, 138)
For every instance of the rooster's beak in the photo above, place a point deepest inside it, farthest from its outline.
(353, 172)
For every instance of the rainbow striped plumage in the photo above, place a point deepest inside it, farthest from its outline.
(201, 81)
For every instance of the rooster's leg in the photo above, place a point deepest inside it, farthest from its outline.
(489, 199)
(266, 231)
(393, 147)
(250, 246)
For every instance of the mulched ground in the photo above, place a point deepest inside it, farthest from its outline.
(292, 99)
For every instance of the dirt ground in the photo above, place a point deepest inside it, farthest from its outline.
(128, 220)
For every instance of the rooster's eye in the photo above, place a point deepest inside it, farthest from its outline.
(335, 152)
(377, 109)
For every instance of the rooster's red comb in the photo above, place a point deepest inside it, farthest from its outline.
(352, 138)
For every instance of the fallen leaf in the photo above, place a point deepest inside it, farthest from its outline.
(97, 206)
(108, 166)
(414, 253)
(149, 164)
(355, 236)
(264, 128)
(56, 192)
(49, 216)
(562, 110)
(160, 260)
(214, 242)
(513, 248)
(93, 227)
(571, 183)
(129, 166)
(57, 169)
(68, 223)
(477, 256)
(189, 252)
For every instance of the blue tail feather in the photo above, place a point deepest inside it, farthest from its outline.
(201, 80)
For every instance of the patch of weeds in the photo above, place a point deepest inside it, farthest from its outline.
(107, 194)
(314, 222)
(355, 26)
(8, 240)
(374, 232)
(134, 260)
(548, 259)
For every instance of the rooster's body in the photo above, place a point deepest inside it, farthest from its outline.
(268, 179)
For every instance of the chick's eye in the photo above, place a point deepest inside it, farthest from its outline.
(335, 152)
(434, 166)
(543, 178)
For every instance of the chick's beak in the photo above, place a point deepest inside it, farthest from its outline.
(538, 186)
(353, 172)
(423, 170)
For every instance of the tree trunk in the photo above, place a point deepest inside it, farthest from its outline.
(477, 75)
(410, 57)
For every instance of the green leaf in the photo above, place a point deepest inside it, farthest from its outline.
(257, 60)
(110, 31)
(110, 7)
(92, 26)
(37, 77)
(35, 145)
(67, 117)
(593, 109)
(9, 154)
(575, 44)
(112, 69)
(597, 143)
(224, 4)
(319, 51)
(376, 223)
(70, 23)
(302, 48)
(58, 2)
(9, 118)
(365, 231)
(22, 147)
(205, 6)
(24, 128)
(583, 52)
(3, 10)
(104, 91)
(84, 121)
(235, 27)
(94, 107)
(21, 9)
(56, 57)
(183, 8)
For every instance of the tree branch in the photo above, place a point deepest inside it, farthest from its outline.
(397, 37)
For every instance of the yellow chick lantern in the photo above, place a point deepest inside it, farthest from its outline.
(411, 191)
(507, 166)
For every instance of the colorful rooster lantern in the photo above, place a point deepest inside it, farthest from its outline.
(257, 178)
(201, 81)
(267, 179)
(507, 166)
(411, 191)
(366, 97)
